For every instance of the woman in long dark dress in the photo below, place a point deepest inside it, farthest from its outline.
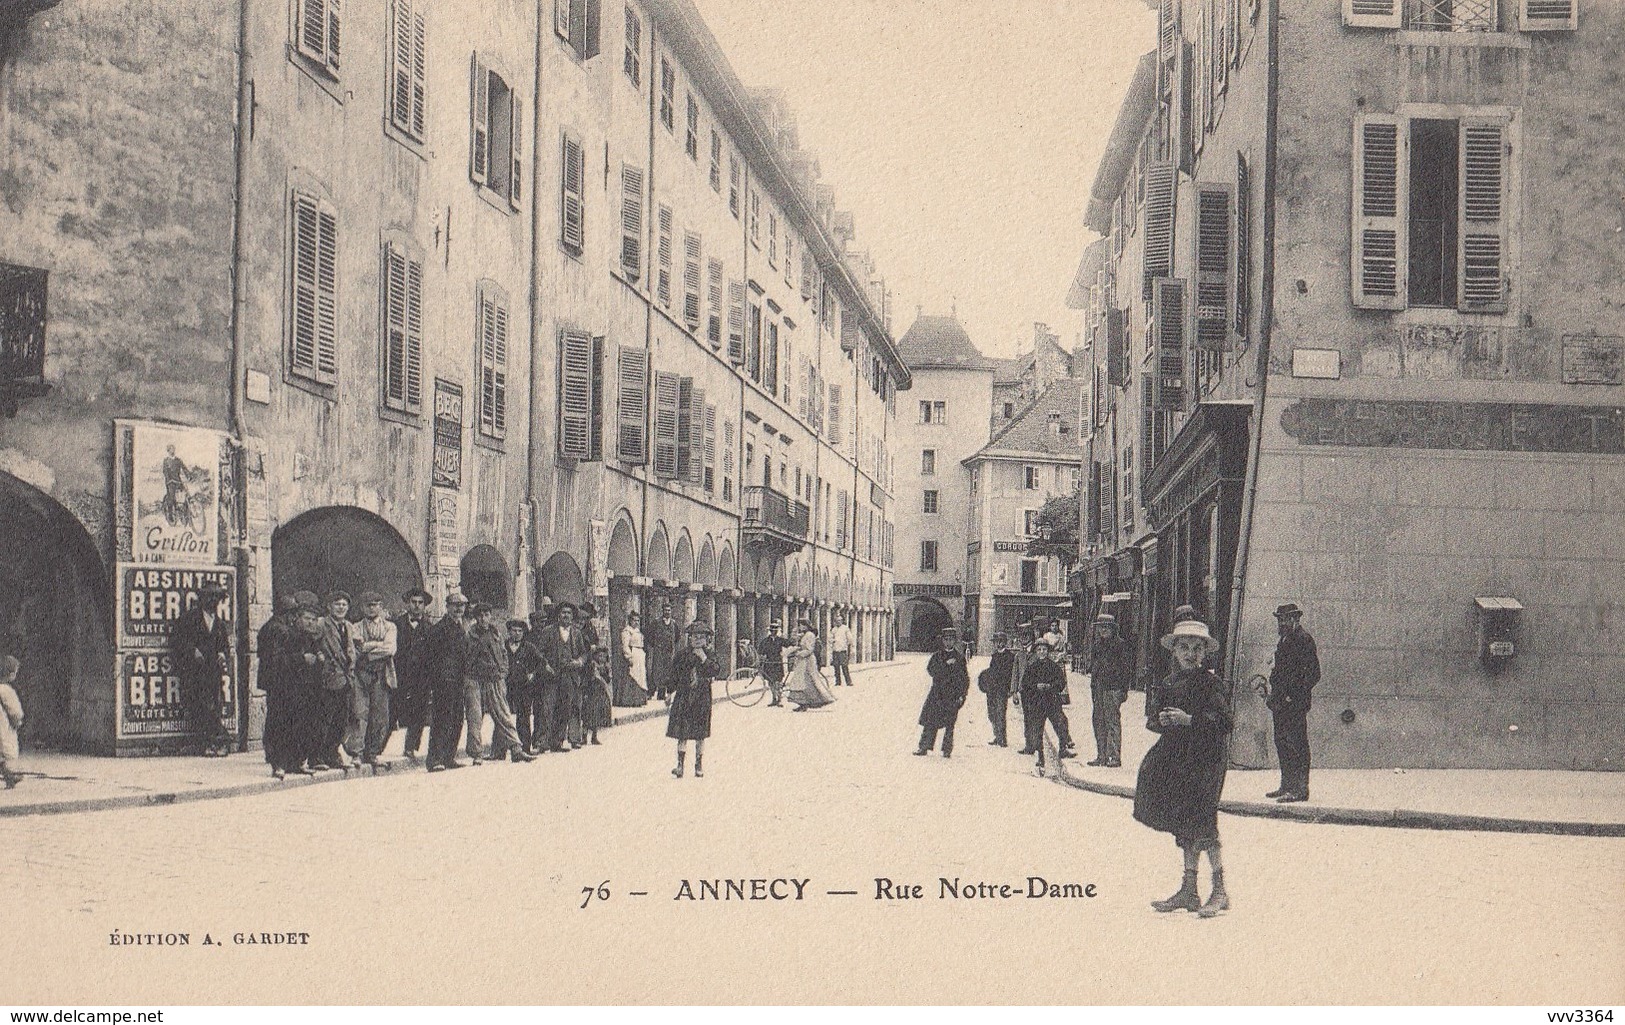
(595, 695)
(1183, 774)
(690, 719)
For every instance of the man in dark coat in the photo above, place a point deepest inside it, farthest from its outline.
(562, 655)
(660, 647)
(411, 701)
(1023, 651)
(1042, 685)
(950, 681)
(1292, 677)
(770, 658)
(524, 693)
(443, 655)
(995, 683)
(282, 677)
(201, 647)
(1111, 669)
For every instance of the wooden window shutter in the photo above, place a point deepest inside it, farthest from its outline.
(835, 421)
(1168, 312)
(516, 122)
(595, 448)
(713, 296)
(1161, 182)
(667, 394)
(318, 33)
(563, 11)
(493, 364)
(394, 323)
(1244, 245)
(685, 428)
(633, 64)
(327, 293)
(736, 323)
(1117, 347)
(664, 256)
(414, 335)
(710, 449)
(1372, 13)
(632, 409)
(1381, 194)
(575, 394)
(407, 77)
(479, 129)
(304, 302)
(595, 30)
(1482, 282)
(1092, 507)
(1215, 268)
(692, 263)
(696, 437)
(1548, 15)
(631, 221)
(573, 213)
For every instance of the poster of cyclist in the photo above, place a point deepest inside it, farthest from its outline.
(172, 504)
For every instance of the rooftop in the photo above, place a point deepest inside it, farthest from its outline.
(937, 342)
(1030, 434)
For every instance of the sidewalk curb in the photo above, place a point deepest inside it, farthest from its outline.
(1398, 818)
(267, 785)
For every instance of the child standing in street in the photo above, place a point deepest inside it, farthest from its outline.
(1183, 774)
(11, 720)
(596, 711)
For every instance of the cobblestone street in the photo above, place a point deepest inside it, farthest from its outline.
(467, 886)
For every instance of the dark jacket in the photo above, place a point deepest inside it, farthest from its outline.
(950, 681)
(559, 659)
(410, 649)
(1043, 685)
(997, 678)
(443, 653)
(280, 662)
(1111, 664)
(1295, 673)
(524, 661)
(200, 652)
(485, 658)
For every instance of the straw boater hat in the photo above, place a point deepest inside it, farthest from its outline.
(699, 626)
(1189, 628)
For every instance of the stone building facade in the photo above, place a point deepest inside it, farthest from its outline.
(1354, 323)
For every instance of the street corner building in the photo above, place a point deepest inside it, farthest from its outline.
(1354, 347)
(302, 296)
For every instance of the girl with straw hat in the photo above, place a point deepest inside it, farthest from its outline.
(1183, 774)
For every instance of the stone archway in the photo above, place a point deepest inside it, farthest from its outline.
(486, 577)
(920, 622)
(682, 559)
(657, 563)
(56, 619)
(562, 580)
(342, 548)
(623, 548)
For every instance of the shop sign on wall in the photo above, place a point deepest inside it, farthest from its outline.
(448, 435)
(150, 702)
(152, 598)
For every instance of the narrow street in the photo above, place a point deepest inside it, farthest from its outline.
(467, 887)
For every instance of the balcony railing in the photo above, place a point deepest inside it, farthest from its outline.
(775, 516)
(1451, 15)
(22, 334)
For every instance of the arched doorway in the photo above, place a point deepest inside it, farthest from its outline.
(485, 576)
(622, 565)
(562, 580)
(342, 548)
(56, 616)
(920, 622)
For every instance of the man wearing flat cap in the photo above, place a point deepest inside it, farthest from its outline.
(1111, 669)
(443, 655)
(201, 646)
(410, 703)
(375, 649)
(1042, 685)
(1292, 677)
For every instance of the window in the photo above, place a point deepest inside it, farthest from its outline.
(928, 462)
(713, 295)
(835, 413)
(1029, 522)
(632, 405)
(633, 64)
(668, 394)
(933, 412)
(928, 556)
(1009, 410)
(692, 265)
(789, 256)
(1430, 224)
(770, 358)
(709, 453)
(318, 35)
(631, 221)
(736, 323)
(1030, 478)
(727, 460)
(572, 198)
(773, 240)
(406, 78)
(494, 134)
(492, 347)
(1161, 186)
(663, 253)
(755, 218)
(690, 432)
(577, 23)
(733, 185)
(692, 142)
(1429, 15)
(668, 91)
(716, 162)
(1029, 576)
(581, 396)
(753, 344)
(929, 505)
(313, 298)
(402, 323)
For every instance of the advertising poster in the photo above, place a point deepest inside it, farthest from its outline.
(151, 599)
(173, 504)
(150, 700)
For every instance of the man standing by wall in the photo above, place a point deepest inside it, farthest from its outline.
(562, 654)
(840, 650)
(410, 703)
(375, 674)
(1111, 668)
(660, 642)
(1293, 676)
(201, 645)
(485, 686)
(443, 666)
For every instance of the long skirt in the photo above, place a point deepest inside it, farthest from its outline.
(632, 684)
(805, 685)
(595, 707)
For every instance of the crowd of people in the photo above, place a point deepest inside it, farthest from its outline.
(337, 688)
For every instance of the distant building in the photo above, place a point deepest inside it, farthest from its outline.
(1354, 347)
(944, 420)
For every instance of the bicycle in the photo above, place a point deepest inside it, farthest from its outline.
(746, 686)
